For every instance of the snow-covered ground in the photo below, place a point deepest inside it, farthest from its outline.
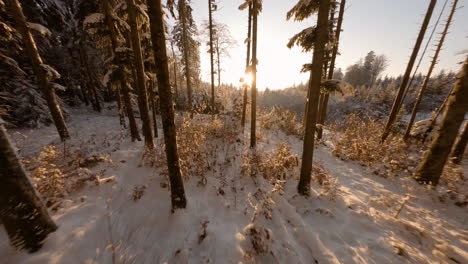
(235, 218)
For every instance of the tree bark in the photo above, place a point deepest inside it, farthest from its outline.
(314, 92)
(140, 70)
(247, 65)
(409, 68)
(21, 210)
(253, 112)
(219, 61)
(210, 20)
(121, 72)
(430, 169)
(153, 106)
(158, 39)
(460, 145)
(120, 106)
(324, 106)
(40, 73)
(175, 74)
(183, 20)
(429, 73)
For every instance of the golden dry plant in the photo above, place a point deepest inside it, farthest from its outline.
(281, 119)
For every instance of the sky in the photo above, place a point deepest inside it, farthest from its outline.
(387, 27)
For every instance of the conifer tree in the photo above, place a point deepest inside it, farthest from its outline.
(248, 42)
(460, 145)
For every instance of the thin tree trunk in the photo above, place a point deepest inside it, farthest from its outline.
(314, 92)
(140, 70)
(409, 69)
(175, 74)
(460, 145)
(435, 116)
(183, 20)
(22, 212)
(429, 73)
(40, 73)
(155, 13)
(153, 107)
(430, 169)
(253, 112)
(210, 19)
(121, 71)
(120, 107)
(92, 87)
(247, 66)
(323, 115)
(219, 61)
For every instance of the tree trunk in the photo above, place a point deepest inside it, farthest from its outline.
(323, 114)
(175, 74)
(183, 20)
(91, 84)
(219, 61)
(127, 102)
(460, 145)
(314, 92)
(253, 119)
(158, 39)
(140, 70)
(247, 65)
(429, 73)
(21, 210)
(409, 68)
(40, 73)
(430, 169)
(120, 106)
(153, 106)
(210, 19)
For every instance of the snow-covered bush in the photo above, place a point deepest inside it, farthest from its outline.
(281, 119)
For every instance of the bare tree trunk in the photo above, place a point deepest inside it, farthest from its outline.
(153, 106)
(435, 116)
(175, 74)
(120, 107)
(247, 65)
(141, 80)
(253, 112)
(219, 61)
(183, 20)
(409, 69)
(429, 73)
(460, 145)
(210, 19)
(121, 71)
(91, 84)
(40, 73)
(314, 92)
(430, 169)
(155, 13)
(21, 210)
(323, 114)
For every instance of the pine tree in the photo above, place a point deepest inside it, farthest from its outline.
(44, 73)
(429, 73)
(256, 9)
(432, 165)
(211, 9)
(331, 71)
(167, 111)
(120, 71)
(22, 212)
(397, 102)
(315, 38)
(140, 74)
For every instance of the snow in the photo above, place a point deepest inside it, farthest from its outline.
(40, 28)
(93, 18)
(236, 218)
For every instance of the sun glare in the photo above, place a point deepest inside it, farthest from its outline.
(248, 78)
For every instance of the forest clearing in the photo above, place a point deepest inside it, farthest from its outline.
(116, 147)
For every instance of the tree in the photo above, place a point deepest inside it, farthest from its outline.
(120, 72)
(316, 38)
(460, 145)
(432, 165)
(331, 71)
(248, 42)
(211, 8)
(256, 9)
(44, 73)
(167, 110)
(140, 72)
(397, 102)
(22, 212)
(223, 41)
(429, 73)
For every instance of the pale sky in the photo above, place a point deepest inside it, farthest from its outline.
(387, 27)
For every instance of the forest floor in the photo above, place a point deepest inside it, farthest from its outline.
(114, 204)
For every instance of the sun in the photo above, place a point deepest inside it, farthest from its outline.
(248, 78)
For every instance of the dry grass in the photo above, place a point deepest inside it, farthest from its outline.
(281, 119)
